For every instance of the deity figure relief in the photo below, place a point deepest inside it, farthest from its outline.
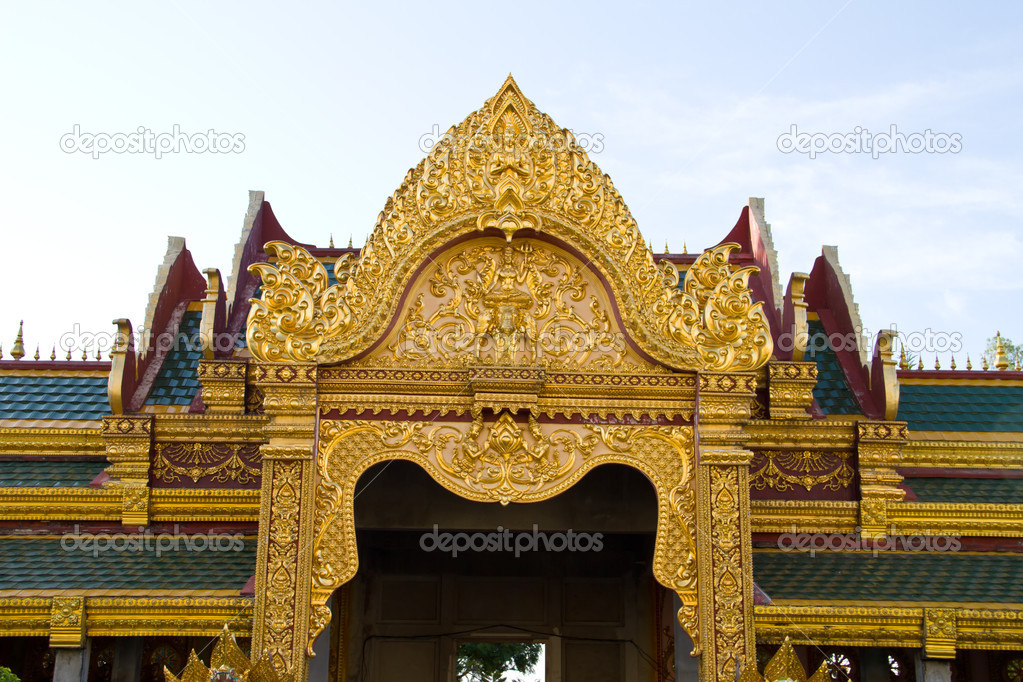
(504, 318)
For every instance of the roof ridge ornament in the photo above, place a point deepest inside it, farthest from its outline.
(508, 169)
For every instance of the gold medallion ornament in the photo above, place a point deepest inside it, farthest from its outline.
(509, 170)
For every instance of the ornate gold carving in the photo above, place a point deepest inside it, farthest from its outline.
(940, 633)
(498, 170)
(50, 441)
(890, 626)
(495, 303)
(798, 516)
(164, 616)
(726, 566)
(67, 622)
(282, 564)
(523, 462)
(128, 443)
(228, 657)
(790, 389)
(217, 462)
(785, 666)
(223, 385)
(879, 448)
(781, 470)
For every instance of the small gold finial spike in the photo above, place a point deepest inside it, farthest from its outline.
(349, 241)
(1, 351)
(983, 362)
(1001, 359)
(684, 249)
(650, 245)
(85, 354)
(332, 240)
(937, 365)
(666, 252)
(18, 352)
(1017, 364)
(53, 353)
(69, 354)
(920, 363)
(36, 356)
(953, 362)
(903, 362)
(969, 365)
(99, 354)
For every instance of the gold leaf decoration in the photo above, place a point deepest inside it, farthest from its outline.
(506, 169)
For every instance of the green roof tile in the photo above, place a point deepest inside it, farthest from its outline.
(177, 382)
(890, 576)
(56, 396)
(832, 390)
(948, 407)
(57, 563)
(45, 474)
(968, 490)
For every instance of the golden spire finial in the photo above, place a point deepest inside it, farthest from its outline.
(85, 354)
(937, 365)
(903, 362)
(684, 249)
(1001, 359)
(969, 365)
(36, 356)
(983, 361)
(953, 362)
(666, 252)
(650, 245)
(99, 354)
(332, 240)
(53, 353)
(1017, 364)
(920, 363)
(18, 352)
(68, 353)
(349, 241)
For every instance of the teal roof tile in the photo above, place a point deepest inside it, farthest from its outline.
(53, 396)
(832, 390)
(891, 576)
(48, 474)
(60, 563)
(951, 407)
(967, 490)
(178, 381)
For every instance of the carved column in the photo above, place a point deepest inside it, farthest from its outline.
(879, 449)
(724, 545)
(280, 626)
(129, 440)
(223, 385)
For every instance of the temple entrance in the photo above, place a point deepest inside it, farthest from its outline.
(573, 573)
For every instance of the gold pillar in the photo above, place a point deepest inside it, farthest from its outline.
(128, 441)
(724, 547)
(879, 450)
(280, 627)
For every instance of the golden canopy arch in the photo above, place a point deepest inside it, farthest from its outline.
(509, 171)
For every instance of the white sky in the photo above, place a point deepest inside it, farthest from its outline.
(690, 100)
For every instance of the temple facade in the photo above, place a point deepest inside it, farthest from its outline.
(506, 419)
